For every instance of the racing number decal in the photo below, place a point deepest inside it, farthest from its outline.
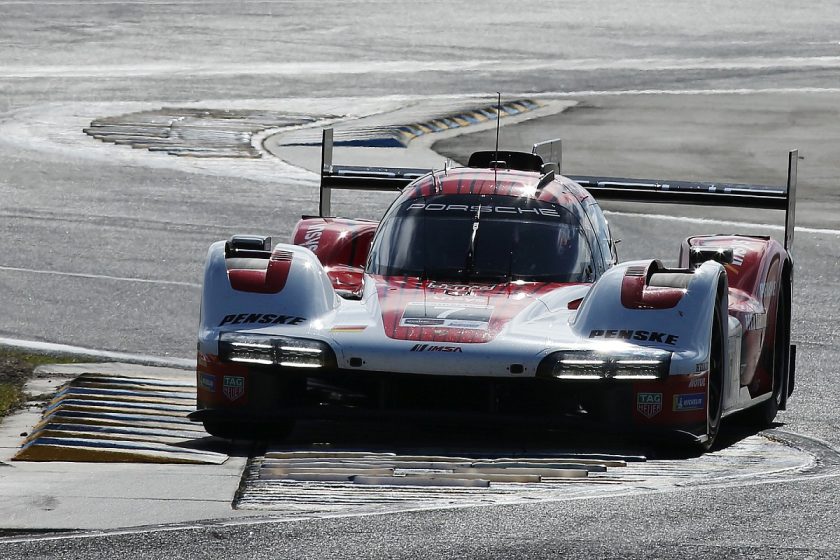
(454, 311)
(439, 315)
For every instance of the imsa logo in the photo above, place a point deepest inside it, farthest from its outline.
(435, 348)
(649, 404)
(233, 387)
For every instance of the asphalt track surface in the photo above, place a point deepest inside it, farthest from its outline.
(103, 245)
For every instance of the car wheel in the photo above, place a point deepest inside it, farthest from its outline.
(761, 416)
(274, 431)
(714, 388)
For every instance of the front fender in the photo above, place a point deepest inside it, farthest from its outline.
(305, 296)
(627, 306)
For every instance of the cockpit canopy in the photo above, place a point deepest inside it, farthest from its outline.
(469, 237)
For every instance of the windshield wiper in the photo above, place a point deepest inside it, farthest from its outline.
(470, 264)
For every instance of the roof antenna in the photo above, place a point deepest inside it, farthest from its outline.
(498, 124)
(498, 121)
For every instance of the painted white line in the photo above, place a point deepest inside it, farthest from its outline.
(100, 277)
(483, 97)
(66, 349)
(710, 91)
(125, 2)
(351, 67)
(798, 229)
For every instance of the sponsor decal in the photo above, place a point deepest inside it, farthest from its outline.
(649, 404)
(694, 401)
(460, 287)
(756, 321)
(697, 383)
(207, 382)
(702, 366)
(457, 298)
(233, 387)
(312, 237)
(466, 208)
(449, 316)
(434, 348)
(766, 289)
(261, 319)
(649, 336)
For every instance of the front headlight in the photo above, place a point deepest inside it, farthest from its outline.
(625, 364)
(270, 350)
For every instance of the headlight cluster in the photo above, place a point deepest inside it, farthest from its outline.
(634, 364)
(284, 351)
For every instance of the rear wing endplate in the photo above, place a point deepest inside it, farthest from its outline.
(350, 177)
(360, 178)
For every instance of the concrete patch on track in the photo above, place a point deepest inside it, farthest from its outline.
(88, 467)
(194, 132)
(323, 482)
(107, 417)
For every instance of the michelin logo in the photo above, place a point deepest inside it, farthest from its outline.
(207, 382)
(694, 401)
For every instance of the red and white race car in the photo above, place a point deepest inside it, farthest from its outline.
(493, 291)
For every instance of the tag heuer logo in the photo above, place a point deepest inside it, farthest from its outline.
(233, 387)
(649, 404)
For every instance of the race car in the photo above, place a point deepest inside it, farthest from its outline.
(493, 292)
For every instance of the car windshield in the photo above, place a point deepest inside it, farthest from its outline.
(476, 237)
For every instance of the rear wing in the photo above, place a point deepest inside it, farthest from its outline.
(602, 188)
(701, 193)
(684, 192)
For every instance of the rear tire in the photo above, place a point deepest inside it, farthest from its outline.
(762, 415)
(232, 430)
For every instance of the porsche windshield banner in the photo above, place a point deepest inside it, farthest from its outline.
(472, 209)
(511, 208)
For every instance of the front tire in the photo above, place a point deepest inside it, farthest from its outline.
(714, 388)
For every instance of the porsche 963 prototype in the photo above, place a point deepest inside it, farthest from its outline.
(494, 292)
